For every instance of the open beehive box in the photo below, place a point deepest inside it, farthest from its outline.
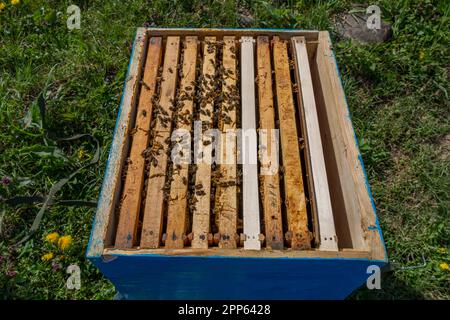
(192, 207)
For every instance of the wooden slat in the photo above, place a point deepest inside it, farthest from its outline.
(314, 150)
(293, 181)
(105, 218)
(285, 34)
(249, 152)
(177, 206)
(214, 251)
(226, 197)
(270, 183)
(132, 190)
(349, 177)
(154, 202)
(201, 216)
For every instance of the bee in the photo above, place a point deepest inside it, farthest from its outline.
(200, 193)
(291, 64)
(145, 85)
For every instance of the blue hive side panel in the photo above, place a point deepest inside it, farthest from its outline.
(178, 277)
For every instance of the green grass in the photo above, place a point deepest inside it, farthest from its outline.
(397, 92)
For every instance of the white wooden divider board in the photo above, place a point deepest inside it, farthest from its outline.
(328, 239)
(249, 151)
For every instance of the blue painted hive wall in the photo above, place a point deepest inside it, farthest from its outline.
(178, 277)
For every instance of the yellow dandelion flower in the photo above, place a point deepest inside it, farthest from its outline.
(64, 242)
(444, 266)
(47, 257)
(81, 154)
(15, 2)
(421, 55)
(442, 250)
(52, 237)
(2, 6)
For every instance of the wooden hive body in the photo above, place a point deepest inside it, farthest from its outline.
(313, 237)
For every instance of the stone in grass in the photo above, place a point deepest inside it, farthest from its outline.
(353, 25)
(244, 17)
(245, 20)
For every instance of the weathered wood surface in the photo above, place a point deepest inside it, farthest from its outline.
(202, 206)
(358, 206)
(226, 196)
(346, 182)
(293, 181)
(178, 200)
(314, 150)
(336, 141)
(270, 183)
(134, 181)
(105, 218)
(285, 34)
(155, 202)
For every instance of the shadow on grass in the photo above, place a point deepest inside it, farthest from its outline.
(391, 289)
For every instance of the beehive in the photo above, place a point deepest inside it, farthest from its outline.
(227, 228)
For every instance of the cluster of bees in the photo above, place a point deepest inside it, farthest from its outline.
(214, 98)
(212, 90)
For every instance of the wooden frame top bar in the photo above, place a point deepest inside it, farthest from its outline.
(285, 34)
